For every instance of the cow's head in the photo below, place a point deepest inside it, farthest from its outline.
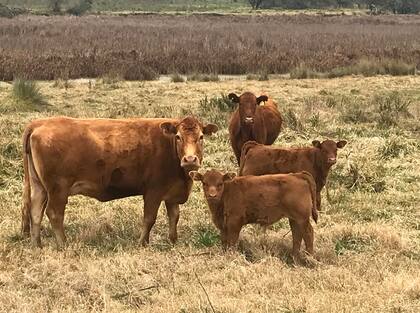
(248, 103)
(188, 135)
(328, 149)
(213, 183)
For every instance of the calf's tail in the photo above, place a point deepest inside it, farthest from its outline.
(312, 187)
(245, 148)
(26, 208)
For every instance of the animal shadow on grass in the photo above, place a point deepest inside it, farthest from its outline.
(280, 246)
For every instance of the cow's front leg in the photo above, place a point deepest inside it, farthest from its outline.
(151, 206)
(173, 216)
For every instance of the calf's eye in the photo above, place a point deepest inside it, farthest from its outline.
(177, 137)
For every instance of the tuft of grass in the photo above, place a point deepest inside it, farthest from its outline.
(304, 72)
(391, 107)
(27, 92)
(293, 121)
(203, 77)
(350, 242)
(177, 78)
(394, 147)
(205, 237)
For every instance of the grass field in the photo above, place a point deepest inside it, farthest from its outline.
(367, 241)
(141, 47)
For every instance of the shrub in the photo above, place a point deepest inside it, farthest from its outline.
(204, 77)
(28, 92)
(303, 72)
(393, 147)
(216, 109)
(205, 237)
(293, 121)
(391, 107)
(81, 8)
(55, 5)
(176, 78)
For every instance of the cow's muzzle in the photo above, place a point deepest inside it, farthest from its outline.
(249, 120)
(190, 163)
(332, 161)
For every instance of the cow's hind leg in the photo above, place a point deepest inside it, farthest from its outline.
(173, 215)
(55, 211)
(297, 235)
(151, 207)
(38, 203)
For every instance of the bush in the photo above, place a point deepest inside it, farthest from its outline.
(81, 8)
(55, 5)
(303, 72)
(28, 92)
(292, 120)
(176, 78)
(205, 237)
(204, 77)
(216, 109)
(391, 107)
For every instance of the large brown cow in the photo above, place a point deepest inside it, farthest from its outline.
(258, 159)
(251, 121)
(237, 201)
(109, 159)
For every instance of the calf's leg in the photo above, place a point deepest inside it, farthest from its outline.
(173, 215)
(151, 207)
(308, 237)
(231, 233)
(297, 235)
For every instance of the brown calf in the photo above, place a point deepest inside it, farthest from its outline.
(108, 159)
(237, 201)
(251, 121)
(258, 159)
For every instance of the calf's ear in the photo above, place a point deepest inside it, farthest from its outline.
(316, 144)
(262, 98)
(229, 176)
(210, 129)
(168, 128)
(341, 143)
(233, 97)
(195, 176)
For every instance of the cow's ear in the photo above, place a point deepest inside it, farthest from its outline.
(316, 144)
(195, 175)
(229, 176)
(233, 97)
(262, 98)
(168, 128)
(210, 129)
(341, 143)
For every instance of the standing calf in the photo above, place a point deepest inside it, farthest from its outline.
(237, 201)
(251, 121)
(258, 159)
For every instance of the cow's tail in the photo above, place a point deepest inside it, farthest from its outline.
(245, 148)
(312, 186)
(26, 208)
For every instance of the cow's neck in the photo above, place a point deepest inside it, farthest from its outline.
(321, 169)
(247, 132)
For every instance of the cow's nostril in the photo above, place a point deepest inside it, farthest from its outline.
(190, 159)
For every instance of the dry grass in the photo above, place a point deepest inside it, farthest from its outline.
(367, 241)
(140, 47)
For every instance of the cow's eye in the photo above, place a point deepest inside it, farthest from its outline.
(201, 138)
(177, 137)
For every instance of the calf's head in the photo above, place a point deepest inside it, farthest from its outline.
(248, 103)
(188, 135)
(213, 183)
(328, 150)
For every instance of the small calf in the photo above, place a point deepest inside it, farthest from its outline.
(257, 159)
(237, 201)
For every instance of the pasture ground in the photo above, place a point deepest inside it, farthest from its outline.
(367, 240)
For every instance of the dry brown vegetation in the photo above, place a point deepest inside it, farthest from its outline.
(139, 47)
(367, 240)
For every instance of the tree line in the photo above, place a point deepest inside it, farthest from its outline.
(375, 6)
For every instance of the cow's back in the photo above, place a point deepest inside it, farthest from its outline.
(263, 160)
(272, 120)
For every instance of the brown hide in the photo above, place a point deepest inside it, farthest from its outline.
(259, 159)
(262, 200)
(265, 121)
(109, 159)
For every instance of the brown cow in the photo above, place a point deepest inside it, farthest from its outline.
(251, 121)
(258, 159)
(109, 159)
(237, 201)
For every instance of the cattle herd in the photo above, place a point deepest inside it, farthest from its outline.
(159, 158)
